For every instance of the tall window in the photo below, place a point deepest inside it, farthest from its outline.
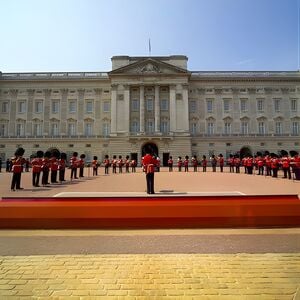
(194, 128)
(55, 106)
(54, 129)
(244, 107)
(293, 104)
(226, 105)
(88, 128)
(164, 104)
(261, 127)
(295, 128)
(193, 108)
(150, 126)
(22, 106)
(209, 105)
(135, 105)
(106, 106)
(244, 127)
(278, 128)
(38, 106)
(71, 128)
(89, 106)
(4, 107)
(277, 105)
(37, 129)
(227, 128)
(149, 105)
(134, 126)
(210, 128)
(3, 129)
(20, 129)
(260, 105)
(72, 106)
(164, 126)
(106, 129)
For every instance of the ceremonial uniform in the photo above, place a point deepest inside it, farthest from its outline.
(149, 163)
(127, 164)
(53, 168)
(221, 163)
(106, 164)
(170, 164)
(74, 165)
(213, 162)
(260, 165)
(204, 163)
(36, 164)
(179, 163)
(81, 165)
(45, 169)
(17, 167)
(133, 166)
(95, 166)
(62, 166)
(195, 163)
(186, 164)
(237, 163)
(286, 167)
(114, 164)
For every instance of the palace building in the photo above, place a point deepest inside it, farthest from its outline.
(150, 102)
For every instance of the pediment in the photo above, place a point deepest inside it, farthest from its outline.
(149, 66)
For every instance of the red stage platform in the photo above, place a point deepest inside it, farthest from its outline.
(151, 212)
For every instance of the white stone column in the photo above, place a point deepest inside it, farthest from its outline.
(185, 98)
(172, 108)
(157, 109)
(113, 109)
(142, 109)
(127, 110)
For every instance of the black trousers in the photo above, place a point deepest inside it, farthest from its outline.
(74, 173)
(287, 172)
(36, 178)
(150, 183)
(53, 176)
(16, 181)
(45, 177)
(81, 172)
(62, 175)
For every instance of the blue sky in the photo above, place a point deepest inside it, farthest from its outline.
(82, 35)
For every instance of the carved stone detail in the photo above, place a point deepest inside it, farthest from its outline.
(98, 91)
(149, 69)
(30, 92)
(13, 92)
(47, 92)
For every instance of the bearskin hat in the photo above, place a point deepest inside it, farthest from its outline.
(95, 157)
(47, 154)
(106, 156)
(39, 154)
(283, 153)
(55, 153)
(293, 153)
(127, 156)
(82, 155)
(63, 155)
(20, 151)
(75, 154)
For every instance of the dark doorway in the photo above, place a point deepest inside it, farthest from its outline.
(245, 151)
(134, 156)
(149, 147)
(166, 156)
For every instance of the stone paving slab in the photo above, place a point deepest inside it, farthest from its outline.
(155, 276)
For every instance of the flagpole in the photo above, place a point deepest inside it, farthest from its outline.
(149, 47)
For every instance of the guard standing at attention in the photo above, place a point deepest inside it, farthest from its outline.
(36, 164)
(149, 163)
(18, 161)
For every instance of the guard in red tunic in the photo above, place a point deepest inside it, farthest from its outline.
(179, 163)
(74, 165)
(62, 166)
(295, 163)
(54, 166)
(133, 165)
(106, 164)
(81, 165)
(95, 165)
(120, 164)
(170, 164)
(46, 168)
(114, 164)
(204, 163)
(221, 162)
(195, 163)
(149, 163)
(127, 164)
(286, 166)
(17, 166)
(237, 163)
(186, 163)
(274, 164)
(36, 164)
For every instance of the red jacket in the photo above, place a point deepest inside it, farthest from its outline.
(149, 163)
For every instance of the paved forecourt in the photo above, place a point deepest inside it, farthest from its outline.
(179, 264)
(178, 182)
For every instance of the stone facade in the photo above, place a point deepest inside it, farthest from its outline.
(152, 101)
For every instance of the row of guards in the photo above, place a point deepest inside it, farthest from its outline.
(42, 163)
